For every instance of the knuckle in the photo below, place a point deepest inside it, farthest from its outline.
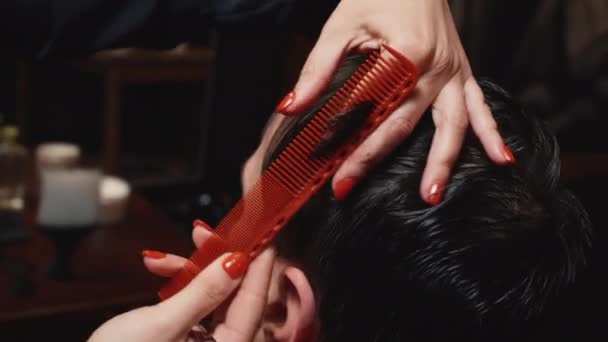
(360, 162)
(447, 64)
(420, 51)
(215, 292)
(402, 126)
(458, 120)
(445, 61)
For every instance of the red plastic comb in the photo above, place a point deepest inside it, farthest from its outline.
(383, 79)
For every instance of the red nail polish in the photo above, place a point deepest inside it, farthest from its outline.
(509, 157)
(153, 254)
(202, 224)
(236, 264)
(344, 187)
(286, 102)
(436, 194)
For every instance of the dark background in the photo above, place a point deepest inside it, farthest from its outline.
(550, 54)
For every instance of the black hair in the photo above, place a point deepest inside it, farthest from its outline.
(386, 266)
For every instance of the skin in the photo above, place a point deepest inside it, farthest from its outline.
(211, 292)
(424, 31)
(174, 318)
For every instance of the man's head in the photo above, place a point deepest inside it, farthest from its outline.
(382, 265)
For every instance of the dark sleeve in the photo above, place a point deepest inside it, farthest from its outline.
(49, 29)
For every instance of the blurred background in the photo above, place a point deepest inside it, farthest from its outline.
(177, 124)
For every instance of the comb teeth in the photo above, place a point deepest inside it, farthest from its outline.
(294, 176)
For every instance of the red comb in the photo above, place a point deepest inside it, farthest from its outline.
(289, 182)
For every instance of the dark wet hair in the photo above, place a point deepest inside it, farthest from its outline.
(481, 265)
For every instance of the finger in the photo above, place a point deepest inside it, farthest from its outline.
(451, 122)
(202, 295)
(318, 70)
(241, 325)
(201, 232)
(397, 127)
(484, 125)
(167, 266)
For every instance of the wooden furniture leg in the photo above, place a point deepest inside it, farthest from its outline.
(112, 121)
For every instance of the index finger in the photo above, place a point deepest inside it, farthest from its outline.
(247, 308)
(392, 132)
(208, 290)
(484, 125)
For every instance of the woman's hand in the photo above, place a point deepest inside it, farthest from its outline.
(424, 31)
(177, 318)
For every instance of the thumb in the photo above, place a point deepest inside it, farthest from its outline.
(208, 290)
(316, 73)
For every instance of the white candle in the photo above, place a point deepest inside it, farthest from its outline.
(69, 198)
(114, 196)
(54, 155)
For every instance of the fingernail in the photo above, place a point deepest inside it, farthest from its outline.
(236, 264)
(202, 224)
(436, 194)
(344, 187)
(509, 157)
(146, 253)
(286, 102)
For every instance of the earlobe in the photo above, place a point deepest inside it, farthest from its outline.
(294, 316)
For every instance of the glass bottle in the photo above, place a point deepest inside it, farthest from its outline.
(13, 171)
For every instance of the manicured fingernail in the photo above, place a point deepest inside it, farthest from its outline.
(202, 224)
(146, 253)
(344, 187)
(236, 264)
(509, 157)
(436, 194)
(286, 102)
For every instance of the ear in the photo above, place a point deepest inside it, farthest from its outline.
(291, 316)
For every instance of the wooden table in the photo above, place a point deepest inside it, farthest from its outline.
(110, 278)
